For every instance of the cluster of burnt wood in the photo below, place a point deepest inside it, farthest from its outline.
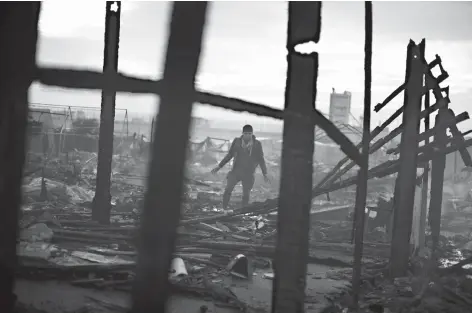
(161, 214)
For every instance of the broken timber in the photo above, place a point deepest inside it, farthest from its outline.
(102, 200)
(425, 183)
(338, 170)
(361, 191)
(161, 211)
(396, 92)
(69, 78)
(403, 206)
(329, 177)
(18, 37)
(437, 179)
(449, 123)
(297, 161)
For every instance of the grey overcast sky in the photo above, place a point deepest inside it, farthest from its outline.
(244, 54)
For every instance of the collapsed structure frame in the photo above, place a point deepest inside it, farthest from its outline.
(161, 212)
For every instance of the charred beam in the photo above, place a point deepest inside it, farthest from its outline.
(297, 161)
(437, 179)
(458, 137)
(431, 132)
(390, 167)
(433, 84)
(397, 91)
(426, 149)
(18, 38)
(102, 200)
(163, 196)
(336, 173)
(93, 80)
(403, 211)
(440, 103)
(425, 182)
(382, 170)
(69, 78)
(361, 192)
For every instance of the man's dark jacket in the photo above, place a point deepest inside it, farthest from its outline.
(244, 163)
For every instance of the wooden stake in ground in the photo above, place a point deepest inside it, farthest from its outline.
(18, 38)
(361, 192)
(102, 200)
(297, 160)
(403, 205)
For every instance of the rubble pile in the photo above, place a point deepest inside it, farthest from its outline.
(432, 286)
(58, 239)
(439, 282)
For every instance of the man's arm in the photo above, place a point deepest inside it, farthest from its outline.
(230, 154)
(262, 162)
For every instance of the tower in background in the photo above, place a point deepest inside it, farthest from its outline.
(340, 107)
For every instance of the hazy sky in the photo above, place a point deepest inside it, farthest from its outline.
(244, 54)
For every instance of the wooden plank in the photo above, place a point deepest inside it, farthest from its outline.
(162, 203)
(403, 205)
(437, 180)
(297, 166)
(361, 190)
(69, 78)
(391, 167)
(92, 80)
(337, 172)
(101, 207)
(401, 88)
(433, 83)
(458, 137)
(305, 28)
(425, 184)
(424, 136)
(18, 40)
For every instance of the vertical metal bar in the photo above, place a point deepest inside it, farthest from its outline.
(297, 161)
(361, 192)
(102, 200)
(18, 37)
(161, 212)
(437, 179)
(403, 211)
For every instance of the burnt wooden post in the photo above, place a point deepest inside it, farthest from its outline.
(361, 192)
(18, 37)
(437, 178)
(102, 200)
(403, 210)
(293, 223)
(162, 201)
(425, 183)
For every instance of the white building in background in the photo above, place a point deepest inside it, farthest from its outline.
(340, 107)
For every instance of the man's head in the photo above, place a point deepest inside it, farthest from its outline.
(247, 132)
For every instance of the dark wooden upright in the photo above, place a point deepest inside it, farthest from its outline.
(161, 213)
(404, 202)
(293, 224)
(18, 38)
(102, 200)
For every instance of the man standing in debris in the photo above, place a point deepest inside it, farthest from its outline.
(248, 154)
